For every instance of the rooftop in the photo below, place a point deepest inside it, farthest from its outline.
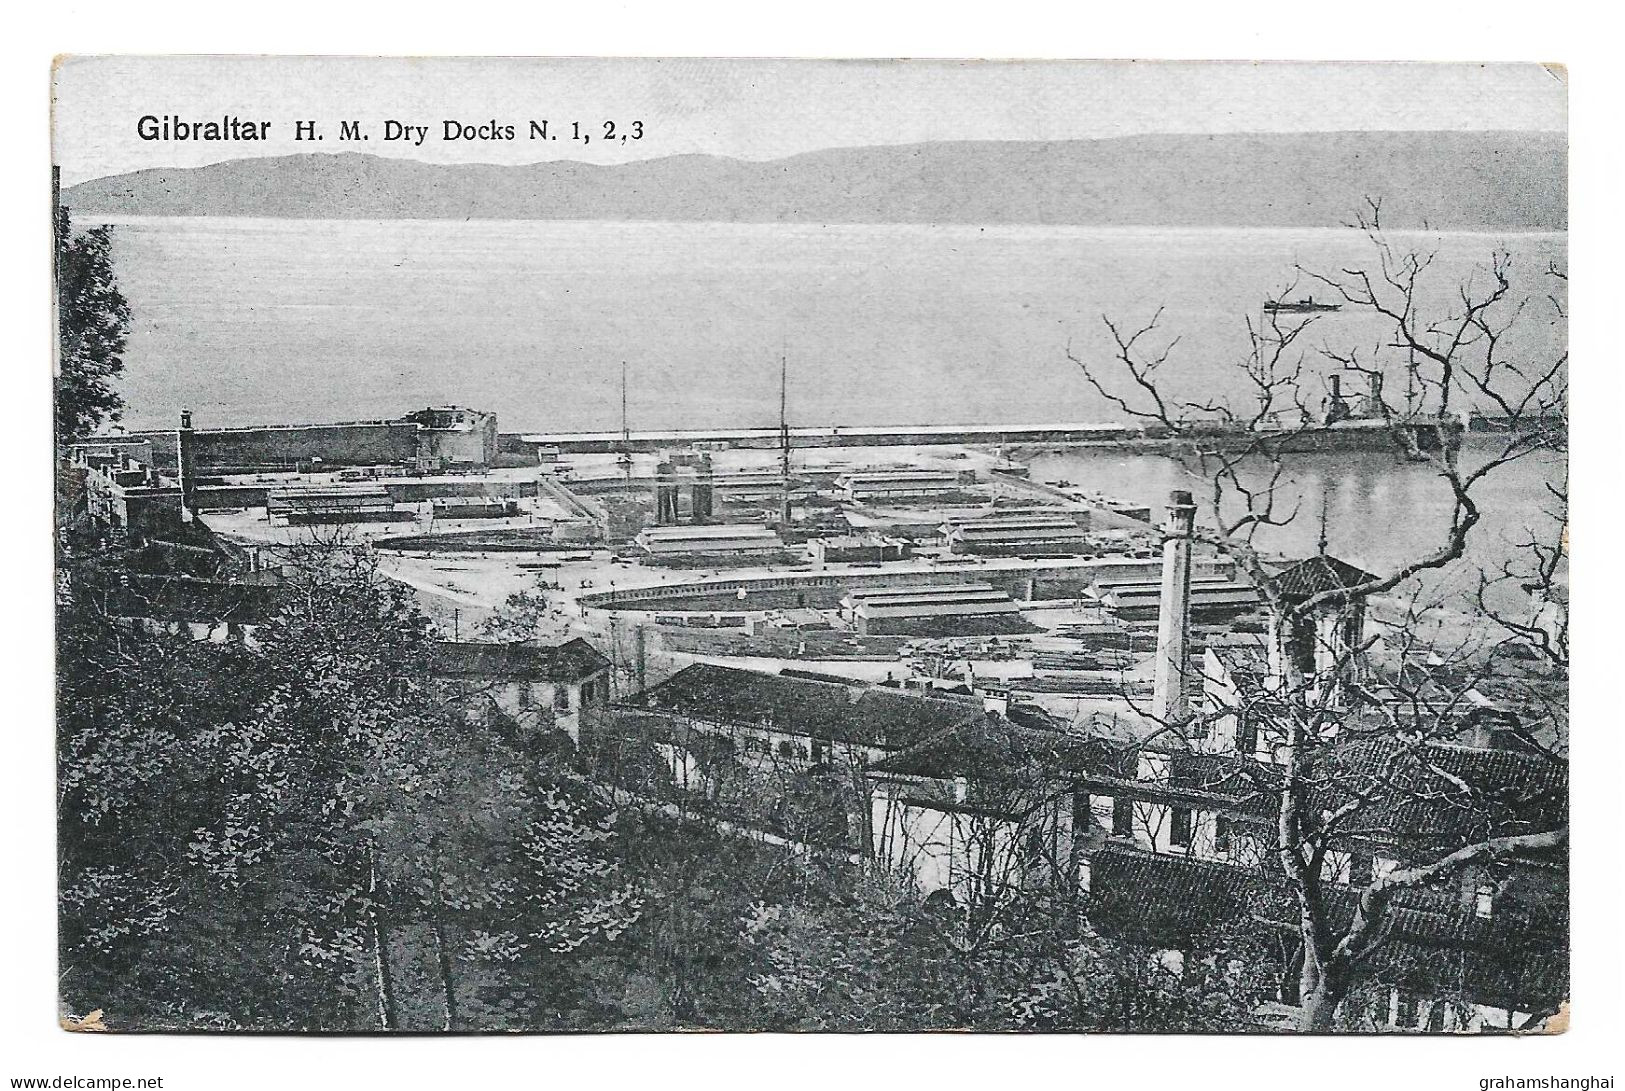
(881, 477)
(1017, 521)
(699, 533)
(857, 595)
(987, 746)
(1307, 578)
(1437, 943)
(568, 662)
(843, 712)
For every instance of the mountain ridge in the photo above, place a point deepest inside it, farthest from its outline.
(1462, 180)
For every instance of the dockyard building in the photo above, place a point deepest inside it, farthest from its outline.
(1211, 598)
(1018, 535)
(307, 506)
(894, 485)
(723, 543)
(859, 549)
(961, 608)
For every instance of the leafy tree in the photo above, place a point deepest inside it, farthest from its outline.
(883, 958)
(93, 326)
(282, 834)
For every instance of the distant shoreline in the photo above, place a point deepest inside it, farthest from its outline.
(82, 217)
(1461, 181)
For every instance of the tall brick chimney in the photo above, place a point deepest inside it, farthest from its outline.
(1173, 617)
(185, 460)
(666, 514)
(1336, 408)
(703, 493)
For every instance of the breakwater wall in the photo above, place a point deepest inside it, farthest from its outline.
(1342, 436)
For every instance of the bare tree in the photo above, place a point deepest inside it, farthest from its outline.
(1346, 748)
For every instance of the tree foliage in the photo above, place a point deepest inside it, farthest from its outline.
(93, 327)
(261, 835)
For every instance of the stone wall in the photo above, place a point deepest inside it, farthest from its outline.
(366, 443)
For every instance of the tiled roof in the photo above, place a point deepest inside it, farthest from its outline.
(1165, 900)
(1437, 794)
(1443, 793)
(1305, 579)
(1437, 944)
(842, 712)
(568, 662)
(987, 747)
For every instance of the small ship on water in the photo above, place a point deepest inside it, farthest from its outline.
(1307, 305)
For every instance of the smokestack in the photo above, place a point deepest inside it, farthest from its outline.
(1336, 408)
(703, 499)
(1373, 407)
(1173, 618)
(186, 466)
(666, 513)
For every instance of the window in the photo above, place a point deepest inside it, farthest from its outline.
(787, 749)
(561, 698)
(1122, 818)
(1221, 835)
(1179, 827)
(527, 695)
(1484, 901)
(1301, 645)
(1246, 735)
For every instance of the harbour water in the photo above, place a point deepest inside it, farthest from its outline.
(1381, 511)
(248, 320)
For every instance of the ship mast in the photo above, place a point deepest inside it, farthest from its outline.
(625, 459)
(784, 439)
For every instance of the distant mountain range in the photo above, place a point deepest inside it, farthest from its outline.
(1460, 180)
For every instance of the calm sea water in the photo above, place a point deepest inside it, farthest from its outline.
(285, 320)
(278, 320)
(1380, 512)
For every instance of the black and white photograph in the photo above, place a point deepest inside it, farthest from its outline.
(603, 546)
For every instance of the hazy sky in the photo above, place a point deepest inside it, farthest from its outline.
(758, 109)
